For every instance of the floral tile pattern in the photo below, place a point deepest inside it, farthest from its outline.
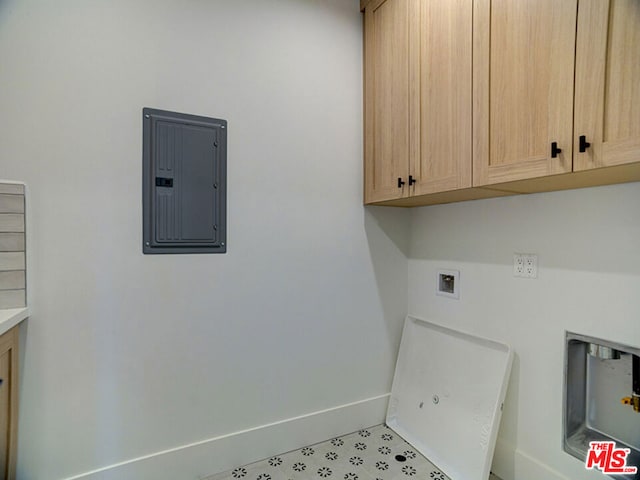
(375, 453)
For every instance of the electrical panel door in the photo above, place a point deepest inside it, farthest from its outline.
(184, 183)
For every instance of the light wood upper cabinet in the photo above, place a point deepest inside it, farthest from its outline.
(417, 97)
(523, 88)
(558, 71)
(607, 99)
(441, 103)
(469, 99)
(386, 50)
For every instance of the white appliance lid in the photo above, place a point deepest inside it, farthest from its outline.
(447, 396)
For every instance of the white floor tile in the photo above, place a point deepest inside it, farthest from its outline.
(375, 453)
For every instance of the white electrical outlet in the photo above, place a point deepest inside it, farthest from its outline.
(531, 266)
(518, 265)
(525, 265)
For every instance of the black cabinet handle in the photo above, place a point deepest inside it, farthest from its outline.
(411, 180)
(555, 150)
(583, 143)
(400, 182)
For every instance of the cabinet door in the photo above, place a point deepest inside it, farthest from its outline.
(524, 53)
(607, 83)
(8, 402)
(386, 103)
(5, 413)
(442, 105)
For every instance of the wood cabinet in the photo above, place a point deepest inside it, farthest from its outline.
(386, 50)
(523, 88)
(417, 97)
(530, 114)
(607, 86)
(8, 402)
(442, 100)
(477, 98)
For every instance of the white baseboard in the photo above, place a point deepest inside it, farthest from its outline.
(206, 457)
(513, 464)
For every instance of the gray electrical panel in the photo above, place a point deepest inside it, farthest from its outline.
(184, 183)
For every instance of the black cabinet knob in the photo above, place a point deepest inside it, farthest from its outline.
(400, 182)
(583, 143)
(555, 150)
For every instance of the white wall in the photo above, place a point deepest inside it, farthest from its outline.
(588, 282)
(127, 355)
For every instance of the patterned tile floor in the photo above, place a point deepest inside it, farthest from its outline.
(375, 453)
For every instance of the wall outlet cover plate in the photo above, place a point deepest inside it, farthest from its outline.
(447, 396)
(525, 265)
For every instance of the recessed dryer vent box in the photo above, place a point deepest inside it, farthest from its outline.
(447, 397)
(184, 183)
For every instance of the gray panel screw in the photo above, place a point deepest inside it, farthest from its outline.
(147, 116)
(222, 244)
(147, 244)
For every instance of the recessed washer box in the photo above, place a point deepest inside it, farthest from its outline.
(184, 183)
(598, 375)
